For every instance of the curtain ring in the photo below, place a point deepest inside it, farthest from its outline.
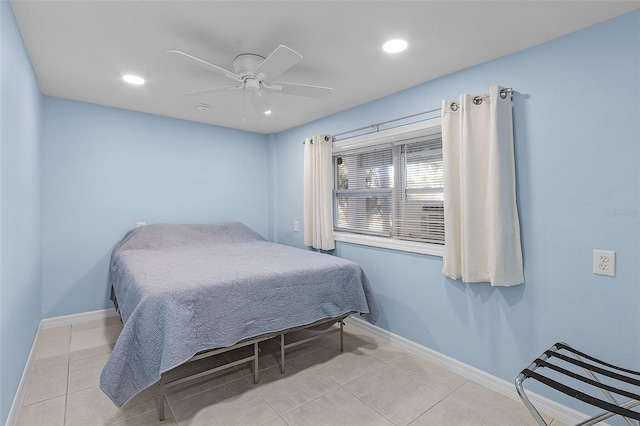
(454, 106)
(506, 92)
(477, 100)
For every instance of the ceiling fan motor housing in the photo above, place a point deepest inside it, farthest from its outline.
(245, 65)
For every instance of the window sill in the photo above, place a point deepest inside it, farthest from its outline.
(390, 243)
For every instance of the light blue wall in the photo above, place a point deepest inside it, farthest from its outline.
(20, 288)
(72, 186)
(577, 136)
(104, 169)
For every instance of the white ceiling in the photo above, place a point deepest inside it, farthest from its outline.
(80, 49)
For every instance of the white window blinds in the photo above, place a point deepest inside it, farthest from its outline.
(364, 192)
(391, 188)
(419, 204)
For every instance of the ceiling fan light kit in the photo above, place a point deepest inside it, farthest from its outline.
(256, 75)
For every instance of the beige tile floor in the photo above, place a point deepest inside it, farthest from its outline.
(371, 383)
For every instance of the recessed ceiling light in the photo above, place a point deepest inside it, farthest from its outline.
(133, 79)
(394, 46)
(268, 112)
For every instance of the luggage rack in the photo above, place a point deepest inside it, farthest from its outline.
(566, 358)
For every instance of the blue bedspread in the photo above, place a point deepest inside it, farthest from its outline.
(182, 289)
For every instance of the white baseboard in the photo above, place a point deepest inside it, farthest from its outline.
(22, 386)
(77, 318)
(49, 323)
(544, 405)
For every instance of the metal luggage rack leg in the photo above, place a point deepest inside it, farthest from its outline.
(590, 381)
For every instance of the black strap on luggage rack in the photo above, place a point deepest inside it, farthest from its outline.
(611, 406)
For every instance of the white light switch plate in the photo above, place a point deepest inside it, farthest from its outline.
(604, 262)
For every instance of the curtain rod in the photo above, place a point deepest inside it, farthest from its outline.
(377, 125)
(503, 95)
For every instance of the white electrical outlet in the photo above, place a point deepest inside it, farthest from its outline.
(296, 226)
(604, 262)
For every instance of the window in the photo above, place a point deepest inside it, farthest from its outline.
(364, 192)
(388, 186)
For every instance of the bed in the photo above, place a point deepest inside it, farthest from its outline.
(186, 291)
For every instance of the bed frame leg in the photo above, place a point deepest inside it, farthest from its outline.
(255, 363)
(281, 353)
(160, 398)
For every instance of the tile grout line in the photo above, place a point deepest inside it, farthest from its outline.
(253, 388)
(458, 403)
(365, 403)
(338, 386)
(31, 368)
(400, 371)
(428, 409)
(66, 394)
(342, 387)
(389, 365)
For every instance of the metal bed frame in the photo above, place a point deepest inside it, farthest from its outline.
(326, 323)
(567, 357)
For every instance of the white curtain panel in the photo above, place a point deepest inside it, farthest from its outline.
(318, 188)
(482, 230)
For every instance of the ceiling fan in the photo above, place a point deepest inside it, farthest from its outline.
(256, 74)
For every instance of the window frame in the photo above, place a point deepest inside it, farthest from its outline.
(389, 137)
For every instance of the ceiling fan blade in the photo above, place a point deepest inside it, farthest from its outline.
(318, 92)
(211, 90)
(212, 67)
(260, 102)
(280, 60)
